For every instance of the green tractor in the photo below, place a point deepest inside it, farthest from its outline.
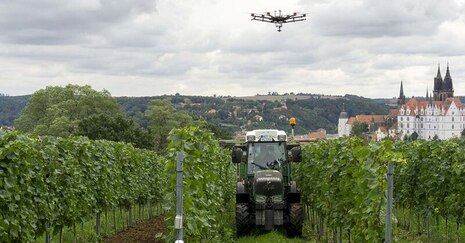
(266, 195)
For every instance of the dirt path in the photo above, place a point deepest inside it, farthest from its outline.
(141, 232)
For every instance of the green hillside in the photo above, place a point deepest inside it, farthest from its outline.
(10, 108)
(233, 114)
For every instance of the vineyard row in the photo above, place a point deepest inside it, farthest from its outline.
(343, 183)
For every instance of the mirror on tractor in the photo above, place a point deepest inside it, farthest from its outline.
(296, 154)
(236, 155)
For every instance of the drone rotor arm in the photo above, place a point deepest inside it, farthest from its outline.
(263, 19)
(295, 19)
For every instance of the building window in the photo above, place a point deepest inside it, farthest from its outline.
(452, 117)
(408, 125)
(452, 126)
(401, 125)
(401, 119)
(408, 118)
(422, 125)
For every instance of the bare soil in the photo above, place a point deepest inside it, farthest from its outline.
(142, 232)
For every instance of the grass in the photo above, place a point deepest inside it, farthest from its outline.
(272, 236)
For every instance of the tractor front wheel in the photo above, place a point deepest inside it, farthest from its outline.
(243, 219)
(296, 220)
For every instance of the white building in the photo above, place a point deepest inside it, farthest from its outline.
(345, 123)
(430, 119)
(343, 129)
(441, 115)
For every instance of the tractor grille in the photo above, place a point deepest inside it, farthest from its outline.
(268, 183)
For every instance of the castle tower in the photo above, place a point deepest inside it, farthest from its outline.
(437, 91)
(401, 99)
(341, 127)
(448, 90)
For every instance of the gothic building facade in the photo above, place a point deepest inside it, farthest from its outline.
(440, 116)
(443, 89)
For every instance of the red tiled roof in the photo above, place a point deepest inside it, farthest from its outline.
(367, 119)
(413, 104)
(351, 120)
(317, 135)
(393, 112)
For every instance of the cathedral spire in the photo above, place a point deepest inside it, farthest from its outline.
(427, 92)
(401, 94)
(448, 88)
(401, 99)
(438, 85)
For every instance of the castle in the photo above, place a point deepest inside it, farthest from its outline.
(440, 115)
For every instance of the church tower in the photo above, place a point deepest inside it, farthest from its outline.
(448, 90)
(443, 89)
(437, 91)
(341, 127)
(401, 99)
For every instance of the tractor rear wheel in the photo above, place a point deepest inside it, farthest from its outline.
(296, 220)
(243, 219)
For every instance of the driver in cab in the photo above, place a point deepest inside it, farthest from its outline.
(266, 157)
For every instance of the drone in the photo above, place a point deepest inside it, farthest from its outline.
(278, 19)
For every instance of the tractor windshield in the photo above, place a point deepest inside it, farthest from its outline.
(265, 156)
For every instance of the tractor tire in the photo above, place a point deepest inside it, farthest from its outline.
(244, 218)
(295, 220)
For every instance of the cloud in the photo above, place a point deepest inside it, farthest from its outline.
(377, 18)
(64, 22)
(206, 47)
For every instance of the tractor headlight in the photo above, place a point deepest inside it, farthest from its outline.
(281, 137)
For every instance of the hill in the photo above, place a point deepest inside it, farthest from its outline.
(10, 108)
(234, 113)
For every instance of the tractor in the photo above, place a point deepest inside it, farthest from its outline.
(266, 195)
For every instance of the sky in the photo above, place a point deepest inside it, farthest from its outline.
(206, 47)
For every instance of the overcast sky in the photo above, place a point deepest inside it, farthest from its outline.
(206, 47)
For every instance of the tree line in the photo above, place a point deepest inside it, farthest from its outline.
(82, 111)
(223, 115)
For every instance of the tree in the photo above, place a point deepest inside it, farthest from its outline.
(462, 134)
(58, 110)
(414, 136)
(162, 119)
(115, 128)
(358, 128)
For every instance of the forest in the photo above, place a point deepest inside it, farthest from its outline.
(231, 114)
